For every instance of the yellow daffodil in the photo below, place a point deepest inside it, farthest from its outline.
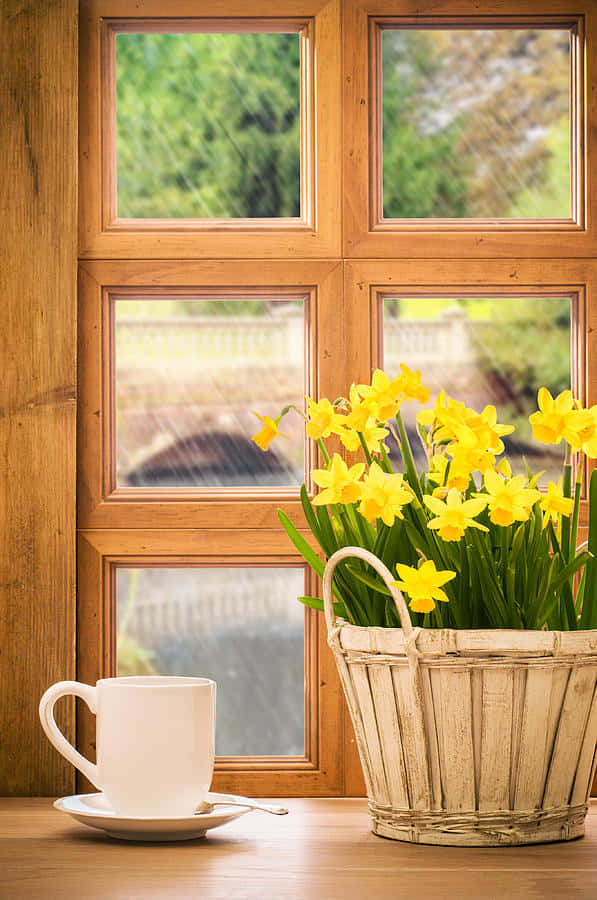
(553, 418)
(341, 484)
(446, 475)
(423, 585)
(451, 420)
(323, 419)
(437, 467)
(465, 461)
(455, 515)
(446, 416)
(480, 431)
(381, 395)
(428, 417)
(372, 433)
(509, 500)
(441, 492)
(581, 431)
(350, 439)
(410, 386)
(458, 479)
(554, 504)
(383, 496)
(504, 468)
(269, 431)
(360, 411)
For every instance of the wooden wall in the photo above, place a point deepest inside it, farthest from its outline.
(38, 197)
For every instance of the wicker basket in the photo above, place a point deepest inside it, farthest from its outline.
(470, 738)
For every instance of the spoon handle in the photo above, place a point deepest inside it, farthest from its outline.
(275, 810)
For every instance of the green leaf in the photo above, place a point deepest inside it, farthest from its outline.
(310, 516)
(576, 508)
(306, 551)
(317, 603)
(329, 543)
(588, 617)
(410, 469)
(567, 490)
(375, 584)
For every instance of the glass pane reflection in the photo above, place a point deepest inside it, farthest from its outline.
(485, 351)
(189, 373)
(476, 123)
(243, 627)
(208, 125)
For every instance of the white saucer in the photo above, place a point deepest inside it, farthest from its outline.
(93, 810)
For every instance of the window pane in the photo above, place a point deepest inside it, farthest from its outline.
(190, 373)
(244, 628)
(476, 123)
(485, 351)
(208, 125)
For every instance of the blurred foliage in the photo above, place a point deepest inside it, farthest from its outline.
(522, 343)
(208, 125)
(419, 176)
(133, 659)
(554, 198)
(476, 123)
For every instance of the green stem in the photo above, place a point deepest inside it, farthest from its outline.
(324, 453)
(365, 448)
(577, 491)
(386, 464)
(565, 525)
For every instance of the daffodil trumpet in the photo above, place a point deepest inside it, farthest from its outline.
(472, 543)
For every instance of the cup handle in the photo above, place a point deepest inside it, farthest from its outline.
(88, 693)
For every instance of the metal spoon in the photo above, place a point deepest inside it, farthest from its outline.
(206, 807)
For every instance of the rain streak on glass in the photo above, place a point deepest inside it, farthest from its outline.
(208, 125)
(242, 627)
(476, 123)
(485, 351)
(190, 373)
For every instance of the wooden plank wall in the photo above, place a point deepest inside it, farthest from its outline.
(38, 191)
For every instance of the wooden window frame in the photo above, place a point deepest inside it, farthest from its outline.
(102, 505)
(343, 278)
(315, 234)
(317, 772)
(368, 281)
(200, 526)
(366, 232)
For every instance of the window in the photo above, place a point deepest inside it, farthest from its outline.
(494, 351)
(189, 370)
(242, 625)
(200, 133)
(466, 124)
(486, 114)
(260, 219)
(181, 100)
(177, 515)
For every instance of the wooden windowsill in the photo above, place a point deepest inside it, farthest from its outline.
(323, 849)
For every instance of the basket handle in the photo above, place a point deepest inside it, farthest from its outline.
(380, 568)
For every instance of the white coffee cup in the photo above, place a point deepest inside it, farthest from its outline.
(155, 738)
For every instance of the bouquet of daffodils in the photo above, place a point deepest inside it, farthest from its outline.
(472, 545)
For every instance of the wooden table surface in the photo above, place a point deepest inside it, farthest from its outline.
(322, 850)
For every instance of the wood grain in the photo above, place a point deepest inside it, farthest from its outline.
(320, 771)
(102, 235)
(100, 504)
(38, 102)
(322, 849)
(496, 728)
(366, 233)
